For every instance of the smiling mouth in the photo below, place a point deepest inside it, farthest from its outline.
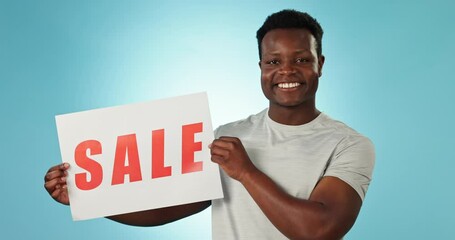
(288, 85)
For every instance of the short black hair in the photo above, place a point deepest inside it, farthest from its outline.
(290, 18)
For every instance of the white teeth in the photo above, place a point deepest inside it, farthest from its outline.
(288, 85)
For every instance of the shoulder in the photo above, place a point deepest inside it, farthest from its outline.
(352, 148)
(241, 126)
(346, 134)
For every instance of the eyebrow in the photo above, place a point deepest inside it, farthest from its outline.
(276, 53)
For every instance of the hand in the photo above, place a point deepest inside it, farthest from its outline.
(230, 154)
(55, 183)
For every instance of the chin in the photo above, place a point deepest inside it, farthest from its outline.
(293, 103)
(287, 104)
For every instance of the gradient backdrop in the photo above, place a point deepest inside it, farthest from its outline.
(388, 74)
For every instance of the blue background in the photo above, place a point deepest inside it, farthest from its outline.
(388, 74)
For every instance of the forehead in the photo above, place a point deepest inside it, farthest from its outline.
(294, 38)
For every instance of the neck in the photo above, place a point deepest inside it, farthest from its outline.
(293, 115)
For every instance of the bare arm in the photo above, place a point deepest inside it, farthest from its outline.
(329, 213)
(55, 185)
(160, 216)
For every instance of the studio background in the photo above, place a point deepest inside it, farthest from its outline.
(388, 74)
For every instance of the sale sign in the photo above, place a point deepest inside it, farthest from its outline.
(139, 156)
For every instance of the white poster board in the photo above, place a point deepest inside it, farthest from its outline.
(139, 156)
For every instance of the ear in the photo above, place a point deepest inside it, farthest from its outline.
(321, 60)
(259, 63)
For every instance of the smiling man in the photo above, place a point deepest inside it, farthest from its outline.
(289, 171)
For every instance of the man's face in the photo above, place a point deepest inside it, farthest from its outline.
(290, 67)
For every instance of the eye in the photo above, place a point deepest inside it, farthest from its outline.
(273, 62)
(301, 60)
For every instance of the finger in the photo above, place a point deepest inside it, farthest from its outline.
(223, 143)
(229, 139)
(63, 166)
(60, 167)
(58, 192)
(52, 184)
(60, 186)
(219, 151)
(54, 174)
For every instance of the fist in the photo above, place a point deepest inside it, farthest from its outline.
(230, 154)
(55, 183)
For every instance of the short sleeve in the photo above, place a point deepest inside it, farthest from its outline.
(353, 162)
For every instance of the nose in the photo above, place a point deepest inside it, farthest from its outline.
(286, 68)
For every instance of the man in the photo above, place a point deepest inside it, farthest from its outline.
(289, 171)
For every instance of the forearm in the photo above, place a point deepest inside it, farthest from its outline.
(295, 218)
(160, 216)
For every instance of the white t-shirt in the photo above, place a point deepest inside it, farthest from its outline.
(294, 157)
